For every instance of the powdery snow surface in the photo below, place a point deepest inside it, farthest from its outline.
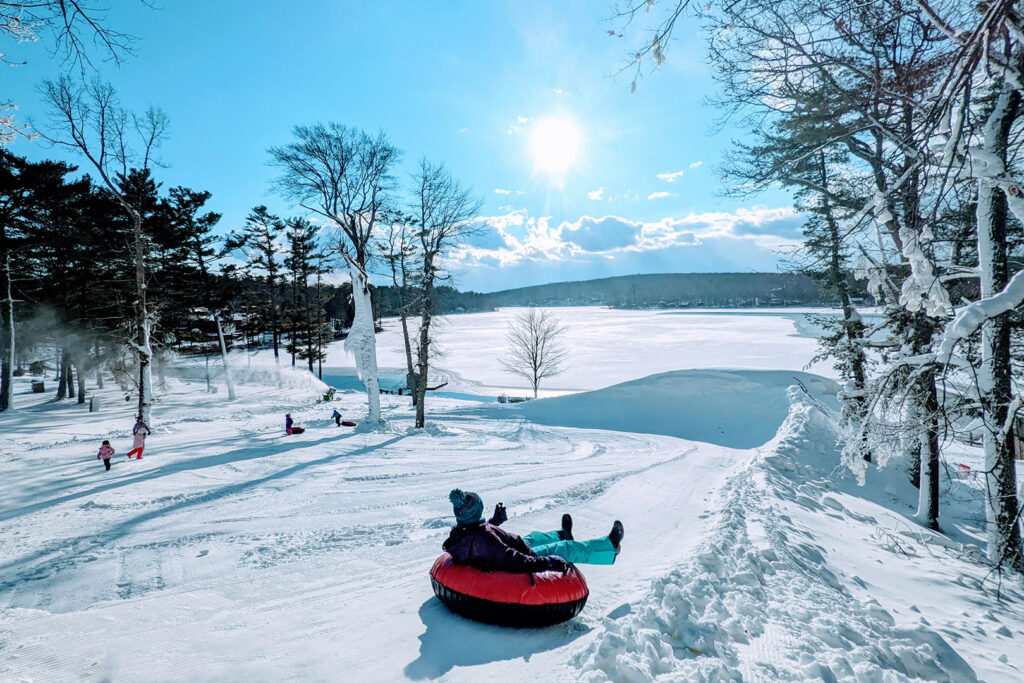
(608, 346)
(233, 552)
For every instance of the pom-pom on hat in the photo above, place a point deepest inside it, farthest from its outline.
(468, 507)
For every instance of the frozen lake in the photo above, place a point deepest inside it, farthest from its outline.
(608, 346)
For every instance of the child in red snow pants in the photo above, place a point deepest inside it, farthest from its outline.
(141, 430)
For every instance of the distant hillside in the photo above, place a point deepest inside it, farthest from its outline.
(668, 290)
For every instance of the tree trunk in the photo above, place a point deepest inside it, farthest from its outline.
(160, 360)
(410, 371)
(994, 373)
(928, 494)
(423, 362)
(142, 346)
(62, 374)
(914, 464)
(361, 342)
(224, 358)
(273, 316)
(309, 324)
(854, 410)
(7, 324)
(321, 323)
(99, 366)
(69, 375)
(79, 370)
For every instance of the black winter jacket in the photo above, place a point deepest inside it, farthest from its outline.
(485, 546)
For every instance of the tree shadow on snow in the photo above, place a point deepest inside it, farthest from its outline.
(66, 551)
(269, 448)
(451, 640)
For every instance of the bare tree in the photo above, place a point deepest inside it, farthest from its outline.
(397, 250)
(92, 121)
(69, 26)
(535, 351)
(344, 175)
(444, 216)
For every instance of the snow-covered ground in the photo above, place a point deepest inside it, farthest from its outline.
(234, 552)
(607, 346)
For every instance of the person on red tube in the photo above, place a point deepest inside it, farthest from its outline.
(485, 546)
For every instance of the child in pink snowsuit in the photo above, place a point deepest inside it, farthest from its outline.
(140, 430)
(105, 452)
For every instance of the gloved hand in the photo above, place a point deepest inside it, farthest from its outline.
(499, 515)
(553, 563)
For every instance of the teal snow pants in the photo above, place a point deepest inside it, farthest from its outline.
(596, 551)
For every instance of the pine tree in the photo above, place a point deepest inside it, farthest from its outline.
(258, 240)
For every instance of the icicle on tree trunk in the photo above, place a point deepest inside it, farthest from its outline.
(344, 175)
(994, 374)
(361, 341)
(224, 357)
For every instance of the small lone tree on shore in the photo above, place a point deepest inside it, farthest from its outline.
(535, 351)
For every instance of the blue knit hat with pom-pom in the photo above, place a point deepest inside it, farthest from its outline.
(468, 507)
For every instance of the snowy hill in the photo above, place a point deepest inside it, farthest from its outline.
(734, 408)
(234, 552)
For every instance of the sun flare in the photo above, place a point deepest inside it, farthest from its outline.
(555, 144)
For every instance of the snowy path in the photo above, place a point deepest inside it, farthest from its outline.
(233, 552)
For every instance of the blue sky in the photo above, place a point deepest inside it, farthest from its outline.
(467, 83)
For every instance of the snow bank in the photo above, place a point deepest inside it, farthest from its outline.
(734, 408)
(758, 600)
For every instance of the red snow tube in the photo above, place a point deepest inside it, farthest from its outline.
(506, 598)
(348, 423)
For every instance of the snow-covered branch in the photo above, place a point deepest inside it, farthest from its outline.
(973, 316)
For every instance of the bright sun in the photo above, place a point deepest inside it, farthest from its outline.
(555, 144)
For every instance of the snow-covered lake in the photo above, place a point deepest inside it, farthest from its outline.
(609, 346)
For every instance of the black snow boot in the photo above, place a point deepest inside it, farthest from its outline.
(566, 532)
(616, 535)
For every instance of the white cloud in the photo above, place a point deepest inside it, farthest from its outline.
(463, 130)
(520, 192)
(512, 130)
(499, 190)
(659, 195)
(558, 91)
(516, 237)
(696, 164)
(596, 194)
(522, 119)
(671, 177)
